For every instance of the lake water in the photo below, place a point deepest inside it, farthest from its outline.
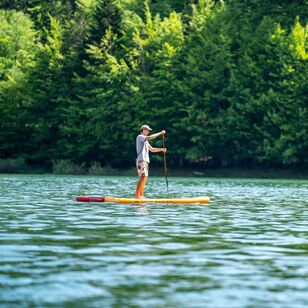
(247, 248)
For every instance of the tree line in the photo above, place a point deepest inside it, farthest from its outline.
(225, 79)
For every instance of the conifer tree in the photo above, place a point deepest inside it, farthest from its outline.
(106, 15)
(18, 52)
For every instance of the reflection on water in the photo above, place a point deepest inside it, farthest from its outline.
(248, 247)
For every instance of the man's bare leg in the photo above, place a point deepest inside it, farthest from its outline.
(140, 187)
(143, 185)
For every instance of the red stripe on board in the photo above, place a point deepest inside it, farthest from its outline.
(90, 199)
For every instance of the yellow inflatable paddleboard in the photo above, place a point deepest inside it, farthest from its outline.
(197, 200)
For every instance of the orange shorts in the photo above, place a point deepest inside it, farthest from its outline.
(142, 168)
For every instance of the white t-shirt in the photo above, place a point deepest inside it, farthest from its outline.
(142, 147)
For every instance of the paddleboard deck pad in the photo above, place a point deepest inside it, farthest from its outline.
(198, 200)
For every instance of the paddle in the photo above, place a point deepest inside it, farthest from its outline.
(165, 161)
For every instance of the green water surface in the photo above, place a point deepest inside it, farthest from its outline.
(247, 248)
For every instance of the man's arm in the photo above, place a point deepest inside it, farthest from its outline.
(151, 137)
(156, 150)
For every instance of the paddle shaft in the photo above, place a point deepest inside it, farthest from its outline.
(165, 162)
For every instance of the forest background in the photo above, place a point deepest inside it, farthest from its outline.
(226, 80)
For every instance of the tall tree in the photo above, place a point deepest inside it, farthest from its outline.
(106, 15)
(47, 98)
(18, 52)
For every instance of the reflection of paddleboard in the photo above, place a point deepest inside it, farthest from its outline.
(132, 200)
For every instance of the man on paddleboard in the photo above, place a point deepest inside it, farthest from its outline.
(142, 162)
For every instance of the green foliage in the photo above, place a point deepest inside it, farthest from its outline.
(61, 166)
(39, 10)
(11, 165)
(104, 110)
(268, 97)
(18, 51)
(67, 167)
(49, 88)
(105, 15)
(225, 79)
(96, 169)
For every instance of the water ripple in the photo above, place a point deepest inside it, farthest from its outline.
(248, 247)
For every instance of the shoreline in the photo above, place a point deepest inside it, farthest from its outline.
(260, 173)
